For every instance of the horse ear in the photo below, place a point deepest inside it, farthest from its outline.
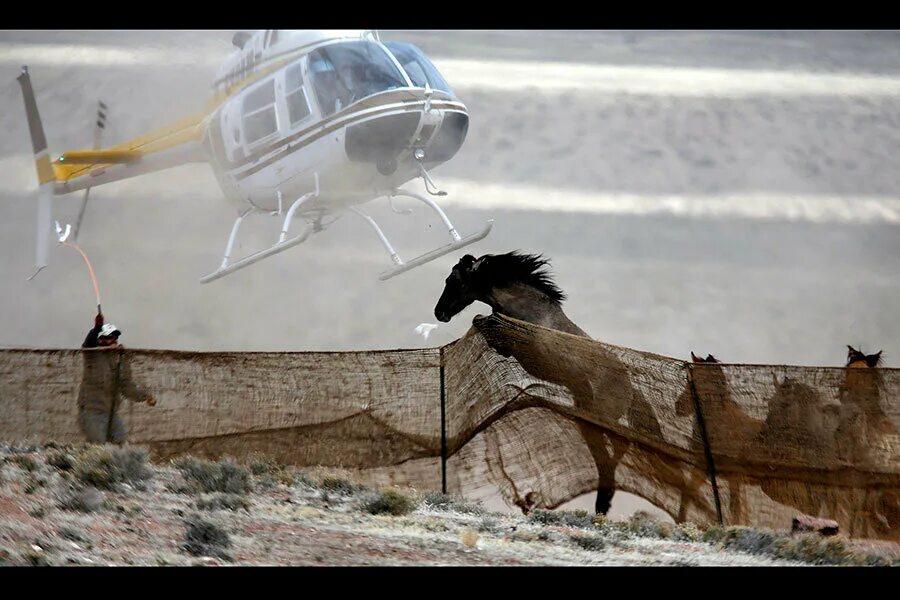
(479, 263)
(695, 358)
(873, 359)
(465, 263)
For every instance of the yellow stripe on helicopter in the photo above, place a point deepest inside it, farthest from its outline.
(93, 157)
(78, 163)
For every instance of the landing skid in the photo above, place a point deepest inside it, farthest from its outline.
(438, 252)
(400, 266)
(279, 246)
(456, 241)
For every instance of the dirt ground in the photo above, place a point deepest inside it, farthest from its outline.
(49, 515)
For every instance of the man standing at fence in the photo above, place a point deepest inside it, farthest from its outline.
(106, 377)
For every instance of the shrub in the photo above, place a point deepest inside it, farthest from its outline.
(810, 548)
(489, 525)
(81, 499)
(751, 540)
(814, 549)
(391, 502)
(441, 501)
(26, 462)
(205, 476)
(594, 543)
(204, 538)
(340, 485)
(643, 524)
(562, 518)
(70, 533)
(305, 480)
(687, 532)
(61, 460)
(104, 467)
(220, 501)
(263, 465)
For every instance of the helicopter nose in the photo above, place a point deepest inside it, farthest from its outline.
(380, 139)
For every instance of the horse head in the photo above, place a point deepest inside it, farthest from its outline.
(460, 289)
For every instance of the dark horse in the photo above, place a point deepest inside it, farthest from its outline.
(515, 285)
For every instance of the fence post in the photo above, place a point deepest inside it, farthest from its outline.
(443, 429)
(710, 464)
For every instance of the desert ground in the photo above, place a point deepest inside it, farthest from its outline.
(734, 193)
(108, 506)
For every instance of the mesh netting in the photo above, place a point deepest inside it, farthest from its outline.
(541, 415)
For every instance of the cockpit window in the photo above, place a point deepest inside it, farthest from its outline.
(345, 72)
(417, 66)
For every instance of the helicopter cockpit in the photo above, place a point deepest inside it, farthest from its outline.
(345, 72)
(418, 67)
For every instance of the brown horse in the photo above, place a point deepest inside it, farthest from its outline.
(518, 286)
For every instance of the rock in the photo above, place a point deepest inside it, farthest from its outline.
(805, 523)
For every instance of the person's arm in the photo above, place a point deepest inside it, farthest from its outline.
(91, 340)
(127, 387)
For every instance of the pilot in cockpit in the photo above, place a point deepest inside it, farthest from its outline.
(335, 89)
(348, 89)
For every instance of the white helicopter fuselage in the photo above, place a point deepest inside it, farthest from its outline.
(301, 124)
(298, 127)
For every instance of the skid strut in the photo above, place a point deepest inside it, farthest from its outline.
(456, 241)
(282, 244)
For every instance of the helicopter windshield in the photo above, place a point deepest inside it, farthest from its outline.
(345, 72)
(417, 66)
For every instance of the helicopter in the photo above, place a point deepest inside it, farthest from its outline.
(301, 125)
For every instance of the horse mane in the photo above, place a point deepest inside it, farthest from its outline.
(516, 267)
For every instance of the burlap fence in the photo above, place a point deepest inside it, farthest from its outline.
(541, 415)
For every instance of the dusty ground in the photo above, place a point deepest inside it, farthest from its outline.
(283, 517)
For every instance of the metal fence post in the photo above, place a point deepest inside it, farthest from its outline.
(710, 464)
(443, 428)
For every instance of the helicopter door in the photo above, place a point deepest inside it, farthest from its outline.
(232, 139)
